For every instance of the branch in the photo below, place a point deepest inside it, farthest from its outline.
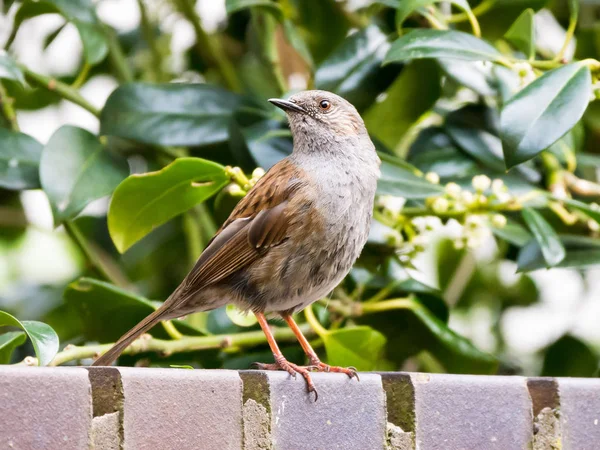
(62, 89)
(7, 109)
(146, 343)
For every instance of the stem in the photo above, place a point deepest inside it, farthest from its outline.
(565, 216)
(117, 57)
(479, 10)
(208, 227)
(85, 70)
(209, 48)
(92, 256)
(62, 89)
(314, 322)
(574, 13)
(388, 305)
(171, 330)
(148, 33)
(185, 344)
(7, 109)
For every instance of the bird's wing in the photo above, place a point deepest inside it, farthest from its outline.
(258, 222)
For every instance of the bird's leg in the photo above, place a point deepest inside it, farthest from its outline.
(280, 362)
(315, 362)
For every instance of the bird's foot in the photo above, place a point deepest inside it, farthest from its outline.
(318, 366)
(292, 369)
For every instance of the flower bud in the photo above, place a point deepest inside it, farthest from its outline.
(498, 220)
(453, 190)
(498, 186)
(440, 205)
(432, 177)
(258, 172)
(481, 183)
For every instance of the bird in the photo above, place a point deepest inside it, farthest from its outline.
(293, 237)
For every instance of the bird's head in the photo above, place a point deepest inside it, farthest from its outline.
(321, 113)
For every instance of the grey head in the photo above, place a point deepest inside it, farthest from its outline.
(323, 114)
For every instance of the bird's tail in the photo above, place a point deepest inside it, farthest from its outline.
(113, 353)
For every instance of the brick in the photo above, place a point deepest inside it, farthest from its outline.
(547, 433)
(580, 413)
(45, 408)
(181, 409)
(455, 412)
(348, 414)
(105, 432)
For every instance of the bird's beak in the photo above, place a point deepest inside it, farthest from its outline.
(287, 105)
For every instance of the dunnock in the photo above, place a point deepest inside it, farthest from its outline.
(294, 236)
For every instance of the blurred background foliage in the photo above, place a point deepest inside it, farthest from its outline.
(130, 129)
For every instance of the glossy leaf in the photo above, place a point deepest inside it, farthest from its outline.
(8, 343)
(359, 347)
(546, 237)
(19, 160)
(9, 70)
(353, 69)
(143, 202)
(322, 24)
(240, 318)
(543, 111)
(233, 6)
(513, 233)
(98, 303)
(294, 37)
(412, 94)
(76, 169)
(407, 7)
(43, 337)
(482, 77)
(426, 43)
(570, 357)
(522, 33)
(81, 13)
(266, 141)
(169, 114)
(408, 186)
(581, 252)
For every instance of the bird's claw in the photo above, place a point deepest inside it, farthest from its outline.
(293, 370)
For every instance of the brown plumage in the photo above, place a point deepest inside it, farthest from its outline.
(294, 236)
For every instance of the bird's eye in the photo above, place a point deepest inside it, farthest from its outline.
(325, 105)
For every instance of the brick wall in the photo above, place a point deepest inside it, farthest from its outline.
(127, 408)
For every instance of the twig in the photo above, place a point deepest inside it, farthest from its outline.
(117, 57)
(148, 32)
(62, 89)
(7, 109)
(185, 344)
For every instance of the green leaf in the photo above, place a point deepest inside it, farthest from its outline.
(552, 248)
(480, 144)
(19, 160)
(425, 43)
(513, 233)
(423, 327)
(407, 7)
(297, 41)
(580, 252)
(143, 202)
(81, 13)
(413, 93)
(266, 141)
(239, 317)
(98, 303)
(360, 347)
(322, 24)
(8, 343)
(169, 114)
(400, 179)
(483, 78)
(353, 69)
(233, 6)
(43, 337)
(570, 357)
(543, 111)
(9, 70)
(76, 169)
(522, 33)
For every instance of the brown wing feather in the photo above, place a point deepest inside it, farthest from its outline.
(257, 223)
